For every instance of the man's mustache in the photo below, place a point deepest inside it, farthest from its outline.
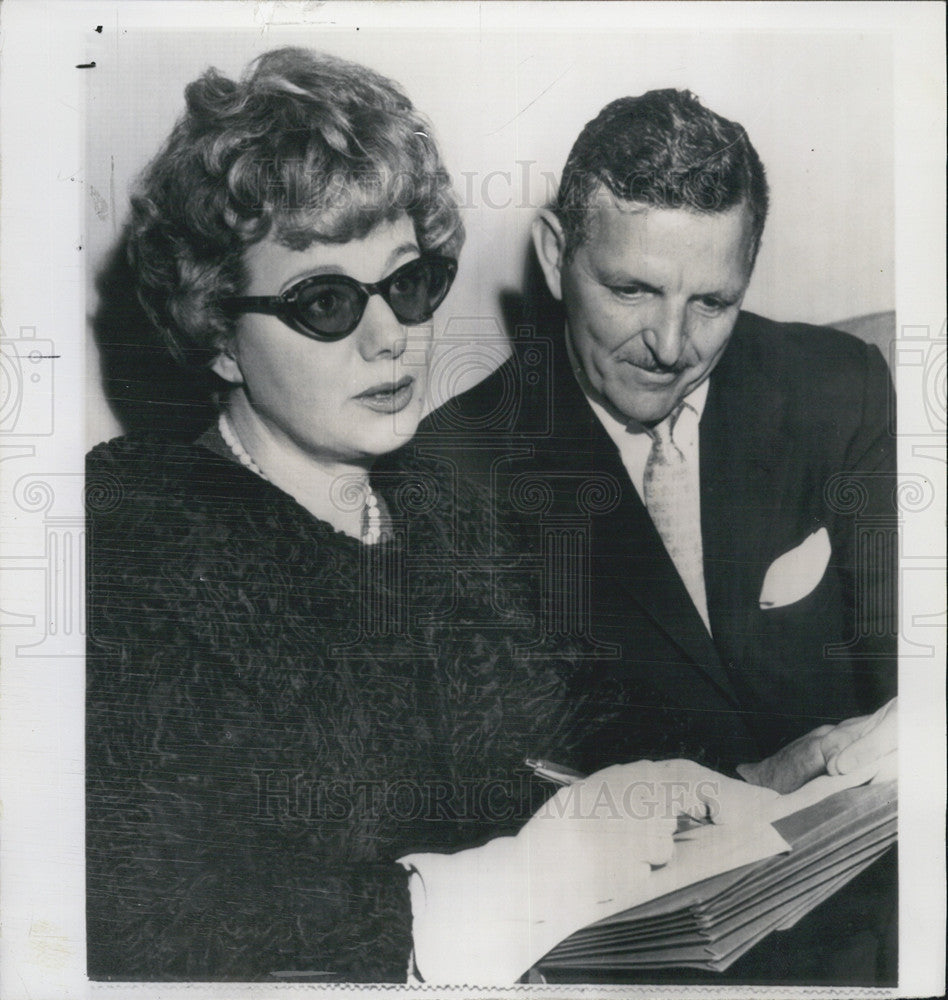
(652, 366)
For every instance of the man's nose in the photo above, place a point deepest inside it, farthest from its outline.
(380, 332)
(665, 336)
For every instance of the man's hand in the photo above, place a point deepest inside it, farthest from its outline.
(857, 743)
(841, 749)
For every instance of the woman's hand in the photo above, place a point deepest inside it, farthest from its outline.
(485, 915)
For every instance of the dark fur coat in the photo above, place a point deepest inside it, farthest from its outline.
(276, 713)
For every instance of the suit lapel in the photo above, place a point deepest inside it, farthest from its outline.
(741, 456)
(625, 539)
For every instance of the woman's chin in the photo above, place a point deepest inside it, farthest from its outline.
(385, 439)
(392, 431)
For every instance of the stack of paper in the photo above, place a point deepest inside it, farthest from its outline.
(710, 924)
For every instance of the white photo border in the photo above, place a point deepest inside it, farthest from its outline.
(47, 48)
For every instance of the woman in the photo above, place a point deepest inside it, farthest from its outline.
(306, 704)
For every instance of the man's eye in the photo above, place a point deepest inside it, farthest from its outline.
(627, 291)
(713, 305)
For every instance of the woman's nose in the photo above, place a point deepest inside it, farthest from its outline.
(380, 331)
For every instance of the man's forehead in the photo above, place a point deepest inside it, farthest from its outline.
(603, 203)
(606, 208)
(616, 226)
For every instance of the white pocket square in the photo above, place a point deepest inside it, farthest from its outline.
(797, 572)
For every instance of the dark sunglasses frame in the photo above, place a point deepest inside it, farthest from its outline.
(286, 306)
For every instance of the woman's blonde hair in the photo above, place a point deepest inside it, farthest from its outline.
(305, 147)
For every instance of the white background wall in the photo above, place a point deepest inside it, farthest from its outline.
(507, 104)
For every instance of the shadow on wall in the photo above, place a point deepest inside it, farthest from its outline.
(146, 389)
(531, 305)
(874, 328)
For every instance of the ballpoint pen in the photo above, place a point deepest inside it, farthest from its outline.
(561, 775)
(556, 773)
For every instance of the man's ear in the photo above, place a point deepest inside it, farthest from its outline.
(227, 366)
(549, 243)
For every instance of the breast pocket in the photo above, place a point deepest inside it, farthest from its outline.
(797, 573)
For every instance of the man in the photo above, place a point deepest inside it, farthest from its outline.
(708, 495)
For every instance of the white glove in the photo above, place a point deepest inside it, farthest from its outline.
(486, 915)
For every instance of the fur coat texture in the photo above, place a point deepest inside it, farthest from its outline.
(276, 713)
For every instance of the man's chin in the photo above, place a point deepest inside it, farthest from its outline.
(645, 407)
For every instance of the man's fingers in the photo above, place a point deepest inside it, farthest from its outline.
(878, 743)
(870, 738)
(841, 736)
(888, 768)
(789, 768)
(839, 749)
(751, 773)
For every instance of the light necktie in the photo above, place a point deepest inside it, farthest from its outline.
(673, 501)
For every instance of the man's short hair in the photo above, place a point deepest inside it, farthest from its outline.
(663, 149)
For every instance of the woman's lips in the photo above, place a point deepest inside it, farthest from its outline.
(388, 397)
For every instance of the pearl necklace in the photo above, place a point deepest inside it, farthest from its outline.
(233, 442)
(371, 513)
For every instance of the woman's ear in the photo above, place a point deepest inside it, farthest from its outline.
(227, 366)
(549, 243)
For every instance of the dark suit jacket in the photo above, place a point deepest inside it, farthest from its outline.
(795, 436)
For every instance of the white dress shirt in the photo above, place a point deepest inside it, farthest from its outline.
(634, 442)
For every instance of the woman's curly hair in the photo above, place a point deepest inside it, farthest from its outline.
(305, 147)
